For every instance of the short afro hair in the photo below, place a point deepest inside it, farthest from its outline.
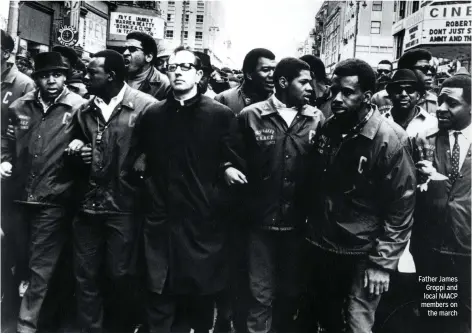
(459, 81)
(316, 66)
(114, 61)
(386, 62)
(148, 43)
(198, 61)
(410, 58)
(289, 68)
(252, 57)
(359, 68)
(7, 42)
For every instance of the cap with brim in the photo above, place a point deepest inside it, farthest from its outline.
(403, 76)
(49, 61)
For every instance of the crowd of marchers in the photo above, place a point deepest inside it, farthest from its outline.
(134, 199)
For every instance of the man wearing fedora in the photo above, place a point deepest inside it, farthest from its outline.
(405, 91)
(35, 159)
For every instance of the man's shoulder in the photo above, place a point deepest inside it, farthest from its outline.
(139, 97)
(158, 77)
(75, 100)
(214, 105)
(392, 135)
(27, 98)
(23, 80)
(232, 92)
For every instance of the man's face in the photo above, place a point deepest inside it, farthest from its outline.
(348, 97)
(134, 56)
(183, 75)
(300, 89)
(96, 80)
(263, 75)
(384, 72)
(50, 84)
(404, 96)
(425, 72)
(453, 111)
(161, 64)
(22, 64)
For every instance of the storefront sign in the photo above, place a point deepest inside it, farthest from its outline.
(124, 23)
(412, 36)
(68, 36)
(95, 33)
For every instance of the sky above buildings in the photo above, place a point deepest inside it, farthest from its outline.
(278, 25)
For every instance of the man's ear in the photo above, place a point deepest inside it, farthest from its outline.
(6, 54)
(283, 83)
(111, 76)
(367, 97)
(149, 58)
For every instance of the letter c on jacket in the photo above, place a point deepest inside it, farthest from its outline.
(359, 168)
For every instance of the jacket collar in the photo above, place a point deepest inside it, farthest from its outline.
(66, 97)
(187, 103)
(369, 130)
(127, 100)
(248, 95)
(272, 104)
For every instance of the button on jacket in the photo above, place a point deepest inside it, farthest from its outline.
(442, 217)
(42, 171)
(112, 185)
(361, 191)
(274, 154)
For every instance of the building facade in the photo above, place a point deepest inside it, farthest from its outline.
(360, 29)
(442, 27)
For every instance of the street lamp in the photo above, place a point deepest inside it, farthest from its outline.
(364, 5)
(182, 28)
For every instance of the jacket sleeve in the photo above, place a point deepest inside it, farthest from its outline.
(398, 187)
(231, 143)
(29, 86)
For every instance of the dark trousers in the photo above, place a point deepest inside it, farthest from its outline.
(103, 246)
(179, 314)
(336, 284)
(48, 233)
(434, 264)
(274, 279)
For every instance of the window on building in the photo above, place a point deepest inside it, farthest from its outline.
(377, 6)
(416, 6)
(170, 17)
(185, 34)
(187, 17)
(198, 35)
(375, 27)
(402, 9)
(399, 45)
(169, 33)
(171, 3)
(199, 18)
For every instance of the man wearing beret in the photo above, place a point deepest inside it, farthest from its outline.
(35, 159)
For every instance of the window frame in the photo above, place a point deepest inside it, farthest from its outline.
(167, 35)
(375, 6)
(372, 27)
(201, 35)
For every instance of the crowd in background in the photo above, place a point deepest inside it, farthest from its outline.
(158, 193)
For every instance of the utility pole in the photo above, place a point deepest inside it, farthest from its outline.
(182, 28)
(364, 5)
(13, 15)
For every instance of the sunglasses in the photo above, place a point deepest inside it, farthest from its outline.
(183, 66)
(383, 71)
(425, 69)
(400, 89)
(133, 49)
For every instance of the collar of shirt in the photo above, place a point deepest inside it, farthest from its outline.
(45, 104)
(279, 105)
(116, 100)
(464, 132)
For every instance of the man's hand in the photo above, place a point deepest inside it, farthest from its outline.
(75, 146)
(232, 176)
(5, 169)
(11, 132)
(86, 154)
(377, 280)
